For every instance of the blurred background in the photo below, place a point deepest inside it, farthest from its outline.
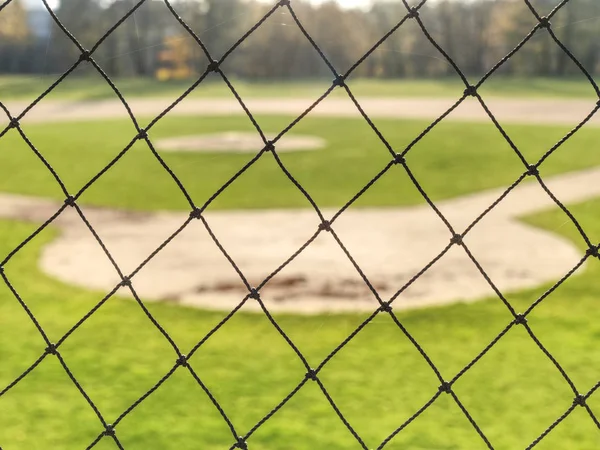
(375, 373)
(152, 44)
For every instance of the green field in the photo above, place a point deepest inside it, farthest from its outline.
(453, 159)
(94, 87)
(514, 393)
(377, 381)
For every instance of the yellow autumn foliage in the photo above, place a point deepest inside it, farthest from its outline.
(13, 23)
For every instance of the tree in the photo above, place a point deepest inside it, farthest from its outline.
(13, 23)
(80, 18)
(14, 36)
(474, 33)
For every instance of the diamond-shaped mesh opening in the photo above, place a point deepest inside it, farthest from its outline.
(111, 330)
(574, 428)
(345, 141)
(170, 407)
(265, 177)
(529, 384)
(254, 376)
(377, 392)
(20, 159)
(294, 56)
(200, 358)
(450, 149)
(319, 426)
(453, 429)
(405, 51)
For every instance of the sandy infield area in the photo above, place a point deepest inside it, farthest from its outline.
(390, 246)
(525, 111)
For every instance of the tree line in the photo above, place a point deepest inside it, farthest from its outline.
(474, 33)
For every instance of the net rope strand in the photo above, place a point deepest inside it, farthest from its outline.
(181, 360)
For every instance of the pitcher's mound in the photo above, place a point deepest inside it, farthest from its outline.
(237, 142)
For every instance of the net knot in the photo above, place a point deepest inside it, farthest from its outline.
(85, 56)
(241, 444)
(196, 213)
(125, 282)
(471, 91)
(593, 251)
(579, 400)
(598, 102)
(70, 201)
(385, 307)
(213, 66)
(14, 123)
(1, 269)
(533, 170)
(51, 349)
(446, 387)
(457, 239)
(109, 430)
(143, 134)
(544, 22)
(413, 13)
(254, 294)
(325, 225)
(182, 361)
(520, 319)
(284, 2)
(339, 81)
(311, 375)
(270, 146)
(399, 159)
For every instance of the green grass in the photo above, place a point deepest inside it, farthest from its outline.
(377, 381)
(453, 159)
(93, 87)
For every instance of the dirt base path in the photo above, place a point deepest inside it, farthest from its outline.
(532, 111)
(390, 245)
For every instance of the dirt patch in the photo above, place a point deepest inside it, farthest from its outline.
(237, 142)
(390, 246)
(521, 111)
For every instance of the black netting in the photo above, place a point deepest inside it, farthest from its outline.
(397, 161)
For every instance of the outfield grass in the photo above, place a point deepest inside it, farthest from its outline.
(94, 87)
(377, 381)
(453, 159)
